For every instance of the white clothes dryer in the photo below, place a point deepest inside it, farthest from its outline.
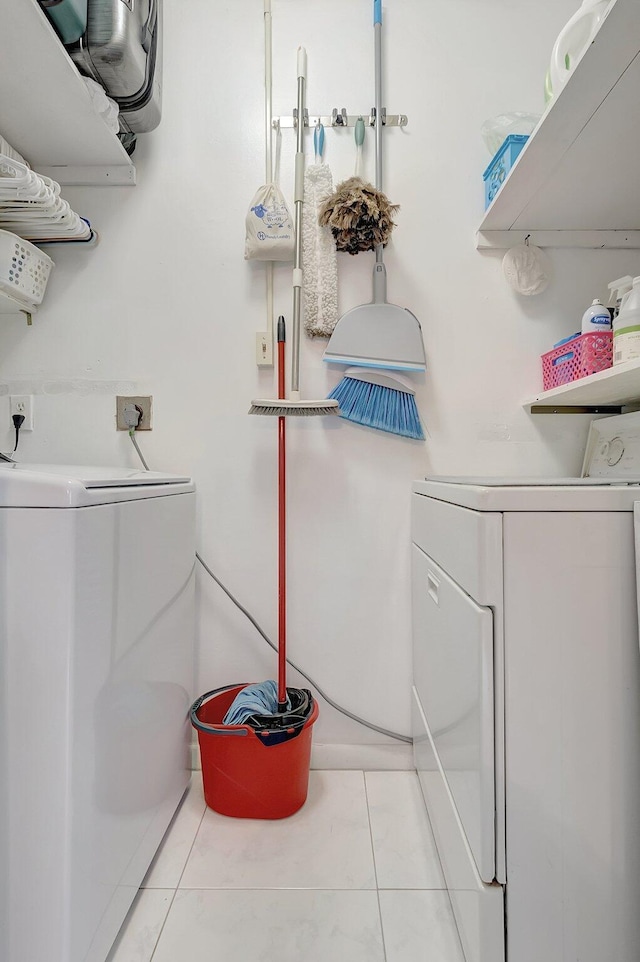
(527, 703)
(96, 680)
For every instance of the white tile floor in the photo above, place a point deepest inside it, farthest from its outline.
(353, 877)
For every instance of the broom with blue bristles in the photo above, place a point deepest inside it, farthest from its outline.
(378, 335)
(378, 401)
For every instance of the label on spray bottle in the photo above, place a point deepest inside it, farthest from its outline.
(596, 319)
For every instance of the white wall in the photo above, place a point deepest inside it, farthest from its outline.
(166, 305)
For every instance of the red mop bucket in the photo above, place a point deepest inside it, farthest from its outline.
(251, 772)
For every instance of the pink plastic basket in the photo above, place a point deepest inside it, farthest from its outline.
(585, 355)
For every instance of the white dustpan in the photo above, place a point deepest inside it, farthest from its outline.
(379, 334)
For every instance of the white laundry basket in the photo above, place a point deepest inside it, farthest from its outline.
(24, 269)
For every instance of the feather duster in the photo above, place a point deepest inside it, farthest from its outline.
(359, 215)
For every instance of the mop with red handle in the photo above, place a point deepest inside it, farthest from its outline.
(282, 530)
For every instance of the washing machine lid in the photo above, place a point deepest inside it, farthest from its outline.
(71, 486)
(610, 479)
(484, 495)
(531, 482)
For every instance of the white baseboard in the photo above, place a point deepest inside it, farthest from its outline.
(370, 758)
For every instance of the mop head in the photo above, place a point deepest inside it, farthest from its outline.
(279, 408)
(359, 215)
(257, 707)
(258, 699)
(383, 403)
(319, 260)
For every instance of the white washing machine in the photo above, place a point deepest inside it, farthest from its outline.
(96, 679)
(527, 703)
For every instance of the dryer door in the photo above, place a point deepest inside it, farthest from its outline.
(453, 675)
(636, 531)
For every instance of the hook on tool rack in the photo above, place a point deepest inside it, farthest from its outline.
(295, 117)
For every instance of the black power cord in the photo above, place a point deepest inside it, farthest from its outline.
(18, 420)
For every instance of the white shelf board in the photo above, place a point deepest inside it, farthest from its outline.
(579, 171)
(618, 386)
(585, 239)
(45, 108)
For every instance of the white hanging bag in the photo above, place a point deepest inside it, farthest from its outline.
(270, 230)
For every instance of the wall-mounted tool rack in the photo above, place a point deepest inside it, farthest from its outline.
(340, 118)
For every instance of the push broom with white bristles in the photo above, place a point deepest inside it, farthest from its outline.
(378, 335)
(293, 406)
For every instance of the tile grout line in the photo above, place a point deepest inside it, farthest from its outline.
(164, 922)
(186, 861)
(375, 866)
(282, 888)
(175, 891)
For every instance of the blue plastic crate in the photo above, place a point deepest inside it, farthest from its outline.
(496, 173)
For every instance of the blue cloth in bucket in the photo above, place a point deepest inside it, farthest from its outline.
(260, 699)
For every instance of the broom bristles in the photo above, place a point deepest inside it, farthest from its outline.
(382, 408)
(275, 409)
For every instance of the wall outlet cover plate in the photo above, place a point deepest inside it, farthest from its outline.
(146, 406)
(22, 404)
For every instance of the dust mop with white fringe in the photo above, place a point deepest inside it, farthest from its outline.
(319, 261)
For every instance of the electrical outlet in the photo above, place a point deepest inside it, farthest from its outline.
(145, 404)
(264, 350)
(22, 404)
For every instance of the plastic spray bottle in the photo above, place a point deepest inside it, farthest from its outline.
(626, 327)
(617, 291)
(596, 319)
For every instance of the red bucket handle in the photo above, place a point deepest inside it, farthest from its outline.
(267, 738)
(216, 729)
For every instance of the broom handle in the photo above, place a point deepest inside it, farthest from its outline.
(268, 139)
(299, 200)
(282, 531)
(377, 27)
(379, 270)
